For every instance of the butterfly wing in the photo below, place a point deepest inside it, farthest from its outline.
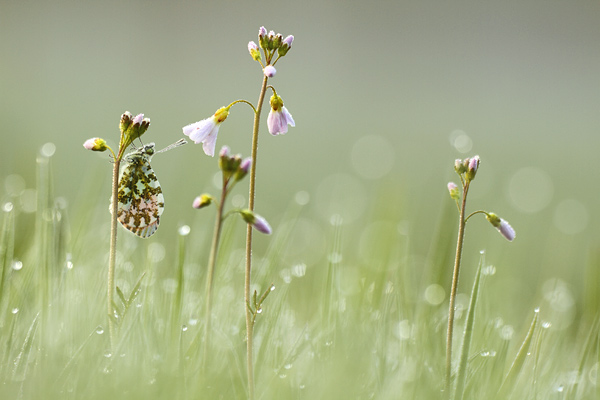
(140, 198)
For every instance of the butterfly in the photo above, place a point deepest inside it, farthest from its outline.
(140, 201)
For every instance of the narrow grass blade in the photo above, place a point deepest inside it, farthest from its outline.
(468, 335)
(22, 360)
(519, 360)
(587, 349)
(7, 245)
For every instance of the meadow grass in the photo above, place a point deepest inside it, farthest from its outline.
(345, 327)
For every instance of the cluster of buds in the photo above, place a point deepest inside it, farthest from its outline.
(233, 165)
(132, 128)
(271, 44)
(467, 167)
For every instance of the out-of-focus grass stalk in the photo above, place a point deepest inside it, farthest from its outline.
(210, 277)
(468, 335)
(588, 347)
(509, 382)
(451, 309)
(7, 246)
(110, 291)
(178, 298)
(251, 195)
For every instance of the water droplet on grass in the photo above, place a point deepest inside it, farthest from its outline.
(14, 310)
(99, 330)
(17, 265)
(287, 366)
(184, 230)
(184, 328)
(107, 354)
(7, 207)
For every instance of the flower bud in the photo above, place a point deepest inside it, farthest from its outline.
(254, 51)
(257, 222)
(285, 46)
(262, 37)
(459, 166)
(472, 168)
(453, 190)
(95, 144)
(269, 71)
(503, 226)
(202, 201)
(277, 41)
(243, 169)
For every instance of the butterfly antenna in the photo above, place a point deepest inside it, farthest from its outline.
(178, 143)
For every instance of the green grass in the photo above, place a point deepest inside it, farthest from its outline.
(355, 324)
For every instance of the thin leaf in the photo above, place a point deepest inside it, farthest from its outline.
(468, 335)
(121, 296)
(22, 360)
(136, 290)
(519, 360)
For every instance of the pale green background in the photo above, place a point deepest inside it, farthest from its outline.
(520, 78)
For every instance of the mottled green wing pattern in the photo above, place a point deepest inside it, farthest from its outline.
(140, 198)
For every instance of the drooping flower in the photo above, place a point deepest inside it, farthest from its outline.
(206, 131)
(502, 225)
(269, 71)
(279, 117)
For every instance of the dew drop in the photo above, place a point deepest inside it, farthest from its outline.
(301, 386)
(7, 207)
(193, 321)
(69, 265)
(259, 311)
(107, 354)
(184, 230)
(272, 288)
(282, 376)
(335, 258)
(14, 310)
(560, 388)
(537, 310)
(287, 366)
(48, 149)
(546, 324)
(184, 328)
(17, 265)
(99, 330)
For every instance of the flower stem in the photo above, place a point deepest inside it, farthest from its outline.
(251, 193)
(113, 250)
(212, 261)
(451, 310)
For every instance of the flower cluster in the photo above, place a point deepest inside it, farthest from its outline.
(271, 44)
(467, 169)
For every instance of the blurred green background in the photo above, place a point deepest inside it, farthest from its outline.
(385, 95)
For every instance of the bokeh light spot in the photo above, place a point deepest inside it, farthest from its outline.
(571, 217)
(341, 194)
(461, 141)
(372, 156)
(530, 189)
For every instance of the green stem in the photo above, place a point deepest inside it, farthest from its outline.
(212, 261)
(451, 310)
(113, 250)
(251, 193)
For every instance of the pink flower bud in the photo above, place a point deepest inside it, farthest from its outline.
(269, 71)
